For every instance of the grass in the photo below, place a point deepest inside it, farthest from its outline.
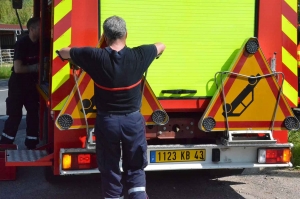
(294, 137)
(5, 71)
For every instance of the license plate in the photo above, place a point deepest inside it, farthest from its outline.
(177, 155)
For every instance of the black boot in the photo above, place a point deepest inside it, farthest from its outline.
(31, 143)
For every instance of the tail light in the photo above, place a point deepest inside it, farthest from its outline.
(79, 161)
(271, 156)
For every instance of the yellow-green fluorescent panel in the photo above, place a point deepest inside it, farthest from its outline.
(202, 37)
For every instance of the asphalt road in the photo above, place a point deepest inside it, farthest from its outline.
(3, 94)
(193, 184)
(160, 185)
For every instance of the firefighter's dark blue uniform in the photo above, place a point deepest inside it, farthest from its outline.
(119, 124)
(22, 92)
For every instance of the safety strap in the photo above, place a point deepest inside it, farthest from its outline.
(7, 136)
(136, 189)
(118, 89)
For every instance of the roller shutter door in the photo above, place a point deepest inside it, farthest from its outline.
(202, 38)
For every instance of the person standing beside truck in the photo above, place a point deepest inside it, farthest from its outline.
(117, 71)
(22, 88)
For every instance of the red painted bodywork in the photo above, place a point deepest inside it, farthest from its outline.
(271, 37)
(184, 105)
(85, 32)
(281, 136)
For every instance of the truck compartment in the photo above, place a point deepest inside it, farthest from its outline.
(202, 38)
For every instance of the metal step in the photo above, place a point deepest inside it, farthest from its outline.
(27, 158)
(248, 137)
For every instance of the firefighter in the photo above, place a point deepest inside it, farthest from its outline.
(22, 88)
(117, 71)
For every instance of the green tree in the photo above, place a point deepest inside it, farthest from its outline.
(8, 14)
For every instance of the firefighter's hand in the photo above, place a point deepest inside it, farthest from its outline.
(58, 54)
(73, 65)
(158, 55)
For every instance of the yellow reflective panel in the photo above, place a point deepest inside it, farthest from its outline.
(199, 36)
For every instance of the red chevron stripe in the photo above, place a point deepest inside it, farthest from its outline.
(57, 64)
(56, 2)
(290, 77)
(62, 92)
(62, 26)
(289, 45)
(290, 102)
(289, 13)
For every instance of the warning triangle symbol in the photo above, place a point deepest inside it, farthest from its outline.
(71, 115)
(249, 96)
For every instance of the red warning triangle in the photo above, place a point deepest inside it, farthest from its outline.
(72, 111)
(248, 103)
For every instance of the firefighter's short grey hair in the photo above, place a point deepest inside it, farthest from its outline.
(114, 28)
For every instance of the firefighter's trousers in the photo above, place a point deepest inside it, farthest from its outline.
(114, 132)
(22, 92)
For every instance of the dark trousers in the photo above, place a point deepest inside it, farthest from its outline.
(126, 131)
(21, 92)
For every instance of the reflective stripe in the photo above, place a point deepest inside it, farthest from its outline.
(136, 189)
(120, 88)
(31, 138)
(115, 198)
(7, 136)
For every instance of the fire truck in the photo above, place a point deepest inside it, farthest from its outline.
(223, 95)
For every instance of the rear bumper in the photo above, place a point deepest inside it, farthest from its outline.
(189, 166)
(233, 157)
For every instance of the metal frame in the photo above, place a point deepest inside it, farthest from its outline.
(231, 142)
(251, 77)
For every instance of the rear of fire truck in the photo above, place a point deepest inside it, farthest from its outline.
(220, 97)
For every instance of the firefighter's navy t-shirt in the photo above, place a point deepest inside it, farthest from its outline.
(28, 52)
(116, 75)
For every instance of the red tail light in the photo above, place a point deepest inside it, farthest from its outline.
(271, 156)
(79, 161)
